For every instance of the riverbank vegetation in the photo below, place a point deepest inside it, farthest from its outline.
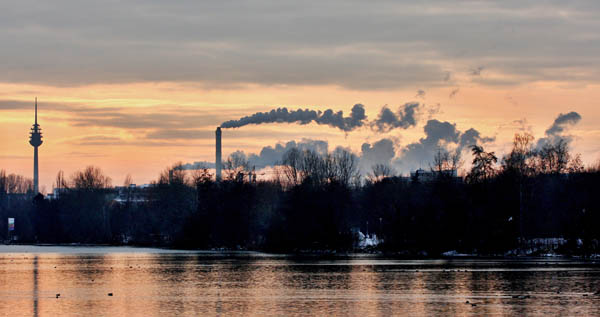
(317, 202)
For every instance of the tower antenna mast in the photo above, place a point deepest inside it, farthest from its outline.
(35, 139)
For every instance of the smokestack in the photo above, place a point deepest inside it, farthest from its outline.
(218, 154)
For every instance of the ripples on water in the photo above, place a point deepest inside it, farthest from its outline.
(149, 282)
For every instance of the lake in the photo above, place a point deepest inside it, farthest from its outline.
(147, 282)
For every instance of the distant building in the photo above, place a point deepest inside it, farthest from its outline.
(132, 193)
(424, 176)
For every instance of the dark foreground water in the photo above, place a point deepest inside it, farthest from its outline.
(150, 282)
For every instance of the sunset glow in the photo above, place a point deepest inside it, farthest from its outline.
(131, 107)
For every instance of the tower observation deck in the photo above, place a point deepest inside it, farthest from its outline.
(35, 139)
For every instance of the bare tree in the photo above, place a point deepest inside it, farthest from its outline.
(576, 164)
(345, 166)
(594, 168)
(314, 167)
(521, 159)
(292, 166)
(446, 163)
(553, 158)
(60, 181)
(174, 175)
(380, 172)
(236, 166)
(14, 184)
(128, 181)
(201, 175)
(91, 178)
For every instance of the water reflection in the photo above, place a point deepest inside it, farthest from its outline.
(255, 284)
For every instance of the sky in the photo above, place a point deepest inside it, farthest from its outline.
(135, 86)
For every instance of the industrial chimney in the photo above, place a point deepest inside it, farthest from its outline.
(218, 154)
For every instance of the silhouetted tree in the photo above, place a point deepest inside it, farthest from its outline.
(483, 165)
(379, 172)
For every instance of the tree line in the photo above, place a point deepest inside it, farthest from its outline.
(320, 201)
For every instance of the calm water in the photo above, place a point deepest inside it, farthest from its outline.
(149, 282)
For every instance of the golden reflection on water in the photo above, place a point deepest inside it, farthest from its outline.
(207, 284)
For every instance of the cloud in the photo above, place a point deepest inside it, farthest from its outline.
(292, 43)
(15, 105)
(420, 94)
(198, 165)
(328, 117)
(437, 135)
(562, 122)
(272, 155)
(380, 152)
(404, 118)
(473, 137)
(7, 104)
(557, 130)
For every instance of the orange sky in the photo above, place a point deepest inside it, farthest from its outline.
(120, 151)
(134, 87)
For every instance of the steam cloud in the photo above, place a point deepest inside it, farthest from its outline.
(404, 118)
(270, 156)
(380, 152)
(437, 135)
(356, 119)
(560, 125)
(562, 122)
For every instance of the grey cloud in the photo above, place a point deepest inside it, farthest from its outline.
(15, 105)
(6, 104)
(272, 155)
(559, 127)
(473, 137)
(327, 117)
(404, 118)
(198, 165)
(353, 45)
(437, 135)
(380, 152)
(145, 118)
(562, 122)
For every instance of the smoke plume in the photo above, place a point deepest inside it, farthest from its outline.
(562, 122)
(559, 127)
(404, 118)
(328, 117)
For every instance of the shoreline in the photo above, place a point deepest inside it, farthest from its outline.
(74, 248)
